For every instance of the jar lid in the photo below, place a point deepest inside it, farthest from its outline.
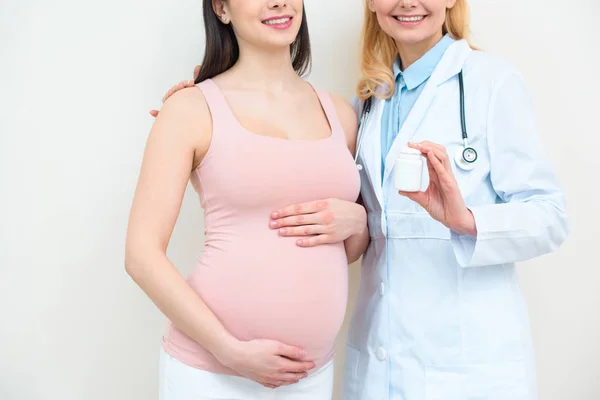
(410, 150)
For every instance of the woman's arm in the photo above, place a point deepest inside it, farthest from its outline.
(169, 157)
(177, 142)
(357, 244)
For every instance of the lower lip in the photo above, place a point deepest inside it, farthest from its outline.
(280, 26)
(410, 23)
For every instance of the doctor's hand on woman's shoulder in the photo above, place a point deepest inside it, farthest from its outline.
(175, 88)
(442, 199)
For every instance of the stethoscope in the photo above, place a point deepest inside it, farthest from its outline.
(464, 157)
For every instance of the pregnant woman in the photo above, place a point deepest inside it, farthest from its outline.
(263, 306)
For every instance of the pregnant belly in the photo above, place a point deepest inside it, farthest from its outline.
(294, 295)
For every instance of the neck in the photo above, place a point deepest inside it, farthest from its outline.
(409, 53)
(269, 69)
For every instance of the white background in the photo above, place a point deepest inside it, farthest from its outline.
(76, 81)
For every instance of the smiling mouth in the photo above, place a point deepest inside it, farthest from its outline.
(415, 18)
(278, 21)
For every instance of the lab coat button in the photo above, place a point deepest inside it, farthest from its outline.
(359, 166)
(382, 288)
(381, 353)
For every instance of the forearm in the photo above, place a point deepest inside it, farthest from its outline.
(170, 292)
(357, 244)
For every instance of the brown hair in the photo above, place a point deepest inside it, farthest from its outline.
(378, 50)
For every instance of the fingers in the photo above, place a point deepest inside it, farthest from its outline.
(284, 379)
(299, 367)
(196, 72)
(291, 377)
(185, 84)
(276, 384)
(154, 113)
(291, 352)
(175, 88)
(439, 150)
(419, 197)
(290, 373)
(438, 162)
(298, 209)
(296, 220)
(169, 93)
(268, 385)
(427, 146)
(305, 230)
(316, 241)
(440, 169)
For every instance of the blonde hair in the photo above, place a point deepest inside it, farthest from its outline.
(378, 50)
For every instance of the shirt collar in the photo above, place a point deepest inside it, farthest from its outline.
(422, 69)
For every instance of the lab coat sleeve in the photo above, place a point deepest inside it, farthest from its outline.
(529, 219)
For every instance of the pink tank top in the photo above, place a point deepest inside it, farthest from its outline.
(261, 285)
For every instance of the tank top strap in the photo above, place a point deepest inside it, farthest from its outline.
(219, 108)
(332, 116)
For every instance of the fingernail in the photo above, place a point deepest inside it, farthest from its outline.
(302, 353)
(300, 242)
(275, 215)
(273, 224)
(283, 231)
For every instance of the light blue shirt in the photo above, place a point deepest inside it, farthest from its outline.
(409, 85)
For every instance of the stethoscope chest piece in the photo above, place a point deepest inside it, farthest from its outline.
(465, 158)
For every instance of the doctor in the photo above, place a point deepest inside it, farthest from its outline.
(440, 315)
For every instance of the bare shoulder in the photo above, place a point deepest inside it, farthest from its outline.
(186, 103)
(186, 116)
(348, 119)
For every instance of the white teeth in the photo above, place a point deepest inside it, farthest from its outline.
(276, 21)
(410, 19)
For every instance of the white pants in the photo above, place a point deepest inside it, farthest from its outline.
(179, 381)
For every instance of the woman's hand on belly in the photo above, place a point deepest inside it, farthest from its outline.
(268, 362)
(320, 222)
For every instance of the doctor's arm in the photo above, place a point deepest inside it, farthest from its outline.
(530, 219)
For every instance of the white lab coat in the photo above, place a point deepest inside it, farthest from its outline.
(440, 316)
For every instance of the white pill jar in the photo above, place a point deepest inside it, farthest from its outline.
(408, 170)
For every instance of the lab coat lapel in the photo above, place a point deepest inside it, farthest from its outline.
(449, 66)
(410, 126)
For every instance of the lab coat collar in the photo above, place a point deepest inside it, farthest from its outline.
(421, 70)
(449, 66)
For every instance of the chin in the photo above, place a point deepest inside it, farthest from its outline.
(280, 41)
(412, 38)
